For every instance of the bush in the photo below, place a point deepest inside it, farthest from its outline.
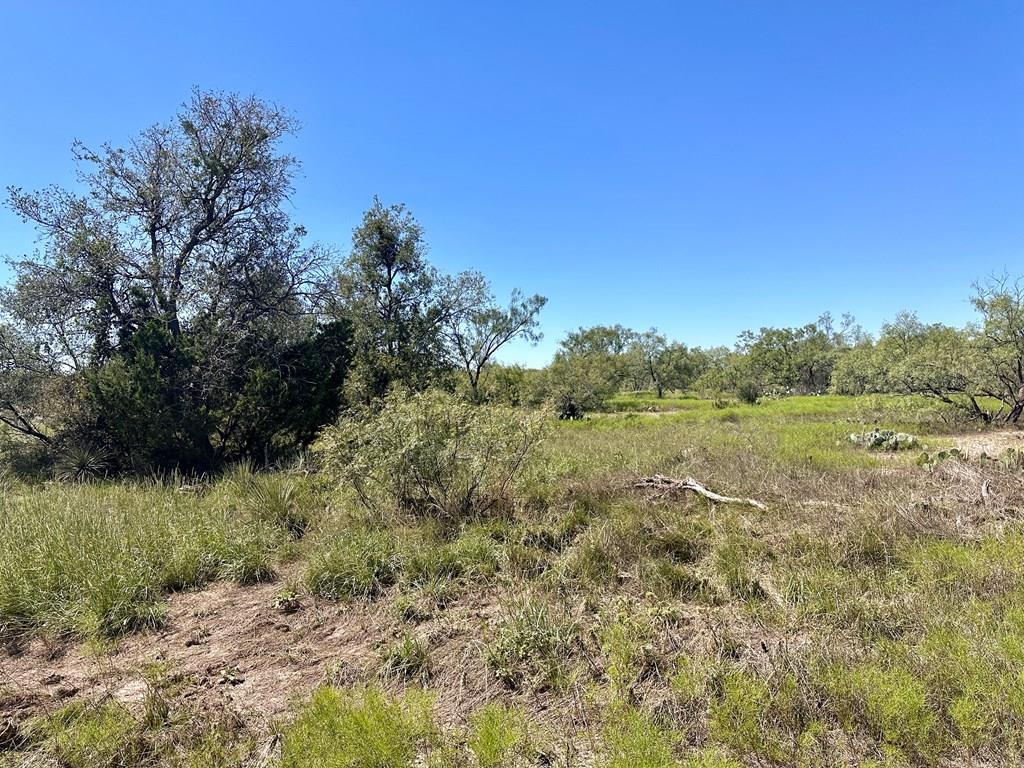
(633, 739)
(532, 644)
(432, 453)
(736, 718)
(407, 658)
(892, 703)
(497, 734)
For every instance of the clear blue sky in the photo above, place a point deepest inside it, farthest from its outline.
(703, 167)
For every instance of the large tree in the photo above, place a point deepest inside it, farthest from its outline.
(165, 275)
(394, 300)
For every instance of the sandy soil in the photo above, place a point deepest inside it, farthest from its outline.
(233, 649)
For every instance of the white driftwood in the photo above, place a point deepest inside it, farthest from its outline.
(669, 484)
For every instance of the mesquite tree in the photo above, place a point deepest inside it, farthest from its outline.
(171, 286)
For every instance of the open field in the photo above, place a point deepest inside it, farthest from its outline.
(874, 615)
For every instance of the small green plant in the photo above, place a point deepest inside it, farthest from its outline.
(407, 658)
(711, 758)
(497, 734)
(633, 739)
(276, 499)
(627, 650)
(81, 463)
(892, 703)
(731, 563)
(532, 644)
(930, 461)
(471, 556)
(94, 736)
(738, 714)
(288, 599)
(358, 728)
(1012, 458)
(689, 681)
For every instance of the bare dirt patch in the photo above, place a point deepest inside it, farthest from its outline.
(990, 443)
(232, 649)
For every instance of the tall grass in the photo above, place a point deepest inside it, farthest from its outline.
(97, 559)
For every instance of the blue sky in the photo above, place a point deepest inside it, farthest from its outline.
(702, 167)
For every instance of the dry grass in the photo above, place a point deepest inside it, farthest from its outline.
(874, 613)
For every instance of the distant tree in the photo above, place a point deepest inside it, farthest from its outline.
(160, 283)
(911, 357)
(999, 342)
(478, 327)
(789, 359)
(667, 365)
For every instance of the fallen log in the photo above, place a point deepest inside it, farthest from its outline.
(670, 484)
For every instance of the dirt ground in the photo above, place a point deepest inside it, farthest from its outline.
(990, 443)
(232, 649)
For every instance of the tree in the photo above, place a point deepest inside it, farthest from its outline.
(999, 342)
(789, 359)
(394, 300)
(911, 357)
(475, 331)
(666, 365)
(160, 283)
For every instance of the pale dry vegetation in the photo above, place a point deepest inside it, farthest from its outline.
(873, 615)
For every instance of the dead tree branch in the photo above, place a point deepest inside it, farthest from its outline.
(671, 484)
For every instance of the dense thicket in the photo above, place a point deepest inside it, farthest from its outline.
(174, 317)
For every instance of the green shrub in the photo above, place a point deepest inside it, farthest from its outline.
(432, 453)
(497, 734)
(711, 758)
(891, 703)
(407, 658)
(276, 499)
(357, 563)
(360, 728)
(632, 739)
(626, 648)
(737, 715)
(532, 644)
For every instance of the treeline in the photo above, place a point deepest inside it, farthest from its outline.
(174, 317)
(979, 368)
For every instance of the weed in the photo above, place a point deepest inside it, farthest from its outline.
(356, 729)
(532, 644)
(738, 715)
(632, 739)
(497, 733)
(407, 658)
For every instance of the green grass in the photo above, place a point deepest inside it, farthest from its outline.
(362, 728)
(99, 559)
(875, 612)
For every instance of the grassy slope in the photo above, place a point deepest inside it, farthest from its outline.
(875, 613)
